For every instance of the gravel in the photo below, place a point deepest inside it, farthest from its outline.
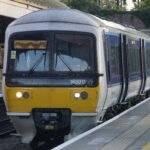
(11, 142)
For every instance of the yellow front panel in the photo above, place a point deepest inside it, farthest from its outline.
(51, 98)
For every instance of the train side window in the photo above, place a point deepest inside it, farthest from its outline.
(112, 57)
(147, 53)
(134, 57)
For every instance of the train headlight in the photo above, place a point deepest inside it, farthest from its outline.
(77, 95)
(19, 94)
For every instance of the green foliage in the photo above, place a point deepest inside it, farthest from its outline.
(67, 2)
(144, 15)
(105, 8)
(142, 4)
(87, 5)
(146, 3)
(84, 5)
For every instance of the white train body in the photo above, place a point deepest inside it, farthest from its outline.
(116, 85)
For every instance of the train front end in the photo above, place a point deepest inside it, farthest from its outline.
(50, 81)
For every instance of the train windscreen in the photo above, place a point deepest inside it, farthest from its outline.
(41, 58)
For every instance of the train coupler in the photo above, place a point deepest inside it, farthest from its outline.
(51, 126)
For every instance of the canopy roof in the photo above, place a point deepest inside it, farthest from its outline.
(49, 3)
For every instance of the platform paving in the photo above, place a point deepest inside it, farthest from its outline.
(130, 131)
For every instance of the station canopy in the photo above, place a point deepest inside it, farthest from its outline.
(49, 3)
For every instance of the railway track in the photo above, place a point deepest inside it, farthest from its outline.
(6, 126)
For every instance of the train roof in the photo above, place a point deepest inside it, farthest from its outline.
(71, 16)
(56, 15)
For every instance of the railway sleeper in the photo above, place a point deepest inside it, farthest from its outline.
(44, 141)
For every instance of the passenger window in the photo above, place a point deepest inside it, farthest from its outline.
(113, 59)
(133, 56)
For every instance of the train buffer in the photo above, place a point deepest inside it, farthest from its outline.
(127, 131)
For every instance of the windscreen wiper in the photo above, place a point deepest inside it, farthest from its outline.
(64, 62)
(36, 63)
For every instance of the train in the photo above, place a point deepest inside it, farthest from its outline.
(66, 71)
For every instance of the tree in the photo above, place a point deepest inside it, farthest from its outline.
(109, 4)
(142, 3)
(146, 3)
(120, 4)
(92, 5)
(86, 4)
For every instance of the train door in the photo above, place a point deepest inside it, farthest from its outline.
(133, 67)
(113, 68)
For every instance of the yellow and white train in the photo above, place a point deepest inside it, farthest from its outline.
(65, 71)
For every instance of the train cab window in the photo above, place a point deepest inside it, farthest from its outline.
(113, 59)
(39, 58)
(134, 57)
(28, 53)
(147, 56)
(73, 53)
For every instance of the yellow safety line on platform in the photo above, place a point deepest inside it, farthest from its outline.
(146, 147)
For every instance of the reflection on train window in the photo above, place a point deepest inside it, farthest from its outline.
(27, 60)
(133, 56)
(147, 56)
(73, 53)
(112, 55)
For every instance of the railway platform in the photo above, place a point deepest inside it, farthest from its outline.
(128, 131)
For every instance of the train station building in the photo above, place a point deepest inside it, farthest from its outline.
(12, 9)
